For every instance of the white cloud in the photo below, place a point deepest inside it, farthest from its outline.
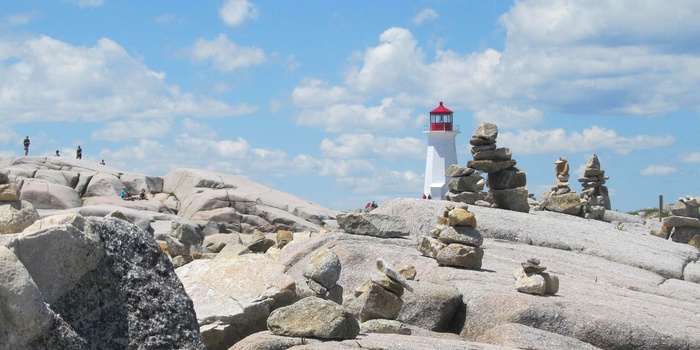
(86, 3)
(315, 93)
(235, 12)
(367, 145)
(427, 14)
(395, 64)
(533, 141)
(50, 80)
(509, 117)
(387, 117)
(692, 158)
(17, 19)
(132, 129)
(225, 55)
(658, 170)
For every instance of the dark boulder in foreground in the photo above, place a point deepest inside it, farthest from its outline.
(95, 283)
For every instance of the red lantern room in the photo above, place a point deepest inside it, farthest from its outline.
(441, 119)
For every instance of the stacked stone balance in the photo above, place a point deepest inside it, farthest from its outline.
(15, 214)
(322, 273)
(594, 197)
(532, 279)
(380, 296)
(455, 241)
(683, 225)
(467, 185)
(561, 198)
(506, 181)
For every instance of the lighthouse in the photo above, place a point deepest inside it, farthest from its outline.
(442, 151)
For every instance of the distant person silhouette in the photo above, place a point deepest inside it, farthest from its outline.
(57, 154)
(26, 146)
(102, 162)
(79, 153)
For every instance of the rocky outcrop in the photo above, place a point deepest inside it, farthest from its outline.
(15, 214)
(91, 283)
(506, 181)
(232, 301)
(373, 224)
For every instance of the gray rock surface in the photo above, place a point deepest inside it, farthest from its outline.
(314, 317)
(230, 300)
(108, 286)
(324, 268)
(525, 337)
(372, 224)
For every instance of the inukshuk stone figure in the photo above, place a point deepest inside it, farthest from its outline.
(455, 241)
(380, 296)
(506, 181)
(466, 186)
(594, 196)
(561, 199)
(532, 279)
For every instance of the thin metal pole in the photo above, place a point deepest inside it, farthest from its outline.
(661, 205)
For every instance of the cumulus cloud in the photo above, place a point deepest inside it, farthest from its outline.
(86, 3)
(235, 12)
(658, 170)
(132, 129)
(427, 14)
(225, 55)
(48, 80)
(533, 141)
(17, 19)
(368, 145)
(614, 58)
(509, 117)
(387, 117)
(691, 158)
(622, 57)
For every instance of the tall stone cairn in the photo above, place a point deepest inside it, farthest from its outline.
(594, 196)
(466, 186)
(506, 181)
(561, 198)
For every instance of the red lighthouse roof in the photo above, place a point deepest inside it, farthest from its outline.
(440, 110)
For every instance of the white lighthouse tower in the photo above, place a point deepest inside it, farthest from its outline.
(442, 151)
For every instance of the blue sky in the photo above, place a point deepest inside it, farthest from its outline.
(327, 100)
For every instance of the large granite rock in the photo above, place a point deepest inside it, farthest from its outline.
(231, 300)
(95, 283)
(370, 224)
(16, 216)
(47, 195)
(315, 318)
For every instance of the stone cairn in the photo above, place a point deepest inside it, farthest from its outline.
(683, 225)
(380, 296)
(322, 273)
(532, 279)
(466, 186)
(455, 241)
(15, 214)
(561, 198)
(506, 181)
(594, 197)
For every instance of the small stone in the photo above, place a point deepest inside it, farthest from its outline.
(283, 238)
(461, 256)
(531, 284)
(408, 271)
(388, 270)
(461, 217)
(462, 235)
(429, 246)
(387, 283)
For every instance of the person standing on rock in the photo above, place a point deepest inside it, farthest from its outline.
(26, 146)
(57, 154)
(79, 153)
